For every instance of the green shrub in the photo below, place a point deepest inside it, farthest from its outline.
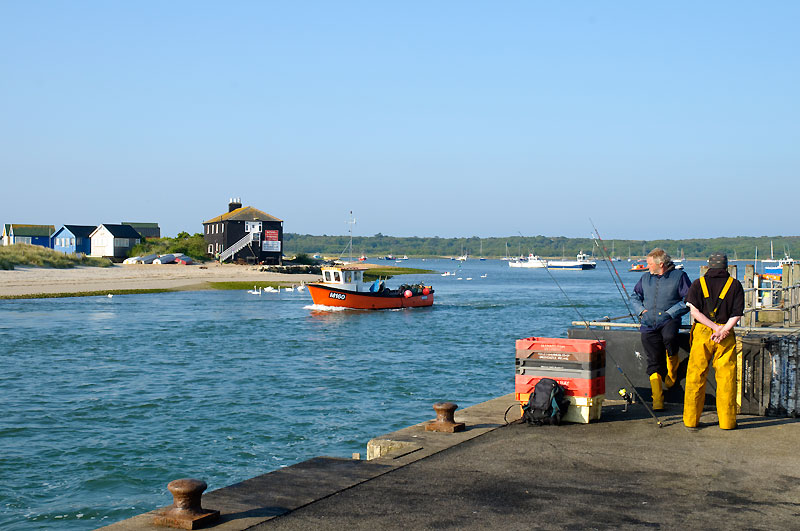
(193, 246)
(304, 259)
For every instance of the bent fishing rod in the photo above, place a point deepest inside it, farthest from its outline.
(626, 297)
(609, 356)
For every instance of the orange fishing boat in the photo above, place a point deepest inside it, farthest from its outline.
(639, 267)
(342, 286)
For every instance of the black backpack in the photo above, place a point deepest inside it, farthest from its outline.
(547, 403)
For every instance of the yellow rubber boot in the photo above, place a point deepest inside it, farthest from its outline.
(672, 371)
(658, 392)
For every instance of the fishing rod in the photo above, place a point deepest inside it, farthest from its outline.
(609, 356)
(622, 292)
(627, 297)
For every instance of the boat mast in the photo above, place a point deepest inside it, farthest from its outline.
(350, 222)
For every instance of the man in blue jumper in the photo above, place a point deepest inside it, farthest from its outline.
(658, 300)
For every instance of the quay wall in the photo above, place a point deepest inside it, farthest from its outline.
(265, 497)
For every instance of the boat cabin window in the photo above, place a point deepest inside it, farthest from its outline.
(327, 276)
(348, 276)
(337, 277)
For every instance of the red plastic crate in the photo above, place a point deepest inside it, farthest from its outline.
(572, 386)
(560, 349)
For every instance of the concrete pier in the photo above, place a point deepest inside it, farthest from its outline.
(621, 472)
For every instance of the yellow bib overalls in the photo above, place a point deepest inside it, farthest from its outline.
(723, 357)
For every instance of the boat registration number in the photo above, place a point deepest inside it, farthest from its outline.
(340, 296)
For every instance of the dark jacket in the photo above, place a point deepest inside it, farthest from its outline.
(662, 296)
(731, 306)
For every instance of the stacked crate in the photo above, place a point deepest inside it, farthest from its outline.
(578, 365)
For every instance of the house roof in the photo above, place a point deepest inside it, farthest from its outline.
(137, 225)
(247, 213)
(31, 230)
(119, 231)
(79, 231)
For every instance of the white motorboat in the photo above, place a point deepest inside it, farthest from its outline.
(582, 262)
(531, 261)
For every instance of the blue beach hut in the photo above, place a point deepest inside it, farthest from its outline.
(30, 234)
(73, 239)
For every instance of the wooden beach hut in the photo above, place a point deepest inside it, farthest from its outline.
(73, 239)
(113, 241)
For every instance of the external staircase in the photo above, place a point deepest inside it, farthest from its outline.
(249, 238)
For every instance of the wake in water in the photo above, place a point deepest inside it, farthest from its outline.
(321, 308)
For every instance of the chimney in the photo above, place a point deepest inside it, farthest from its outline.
(234, 203)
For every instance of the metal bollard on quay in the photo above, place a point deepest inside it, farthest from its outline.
(445, 420)
(185, 511)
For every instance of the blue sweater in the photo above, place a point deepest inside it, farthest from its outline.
(662, 296)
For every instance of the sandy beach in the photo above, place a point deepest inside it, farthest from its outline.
(36, 280)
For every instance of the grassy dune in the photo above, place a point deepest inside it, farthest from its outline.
(33, 255)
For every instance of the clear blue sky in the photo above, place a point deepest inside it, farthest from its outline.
(656, 119)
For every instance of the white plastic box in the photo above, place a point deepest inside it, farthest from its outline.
(583, 410)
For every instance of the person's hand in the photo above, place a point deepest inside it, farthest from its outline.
(661, 318)
(720, 334)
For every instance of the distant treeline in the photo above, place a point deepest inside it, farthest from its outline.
(741, 247)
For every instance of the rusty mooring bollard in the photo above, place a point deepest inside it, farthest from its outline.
(445, 420)
(185, 511)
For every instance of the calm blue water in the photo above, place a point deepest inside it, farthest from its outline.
(104, 401)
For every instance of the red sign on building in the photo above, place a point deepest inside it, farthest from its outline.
(271, 235)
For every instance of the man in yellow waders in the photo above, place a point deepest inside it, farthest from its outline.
(716, 302)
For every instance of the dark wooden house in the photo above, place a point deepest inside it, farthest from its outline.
(244, 233)
(146, 230)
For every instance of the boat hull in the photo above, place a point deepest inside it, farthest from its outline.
(330, 296)
(572, 266)
(529, 264)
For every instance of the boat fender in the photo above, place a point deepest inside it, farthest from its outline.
(425, 291)
(407, 294)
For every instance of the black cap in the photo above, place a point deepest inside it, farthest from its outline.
(718, 261)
